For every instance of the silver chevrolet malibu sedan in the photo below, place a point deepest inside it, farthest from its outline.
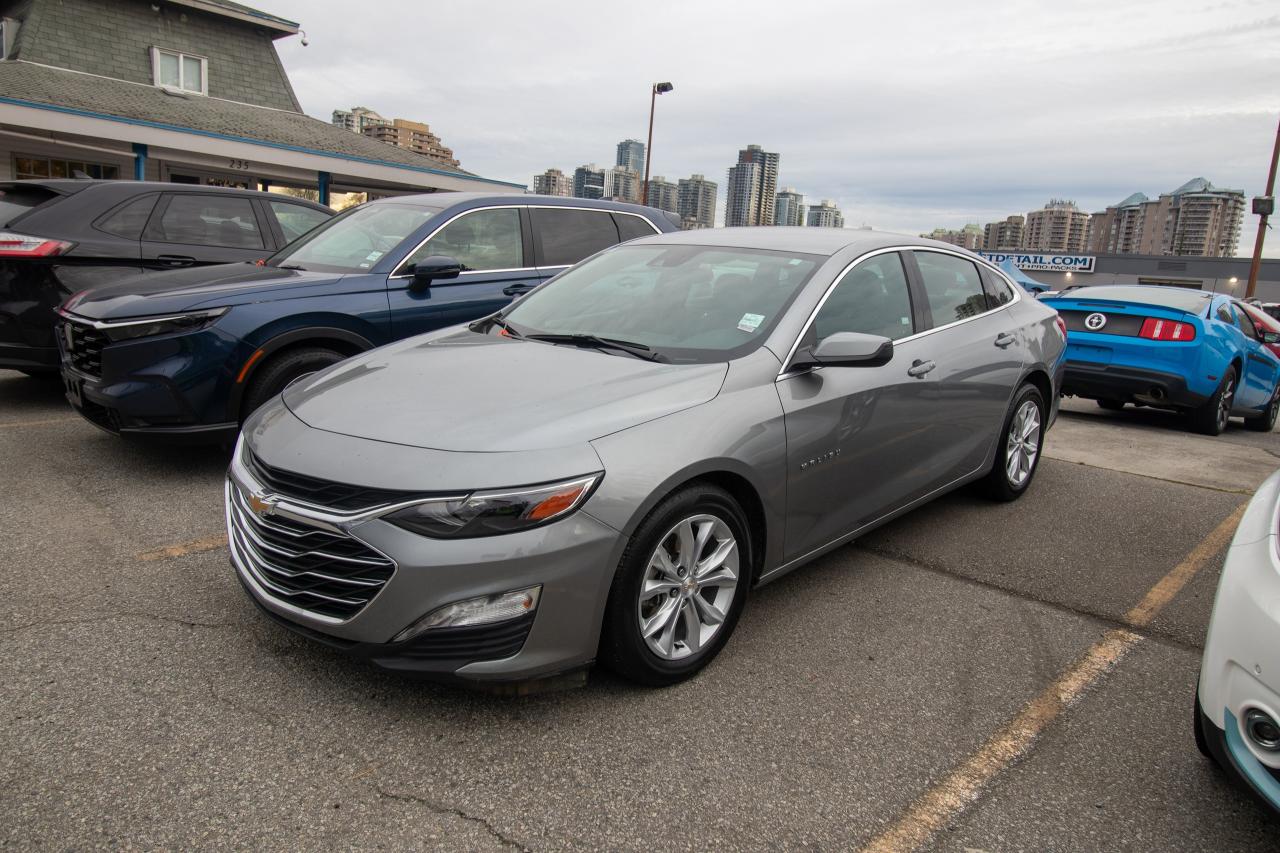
(605, 469)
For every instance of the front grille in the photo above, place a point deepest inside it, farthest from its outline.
(328, 573)
(83, 345)
(312, 490)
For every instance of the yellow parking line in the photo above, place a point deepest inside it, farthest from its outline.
(943, 802)
(196, 546)
(38, 423)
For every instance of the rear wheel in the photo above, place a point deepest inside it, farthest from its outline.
(1267, 420)
(272, 377)
(1018, 453)
(679, 589)
(1212, 417)
(1111, 405)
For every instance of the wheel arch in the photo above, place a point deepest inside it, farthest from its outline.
(340, 340)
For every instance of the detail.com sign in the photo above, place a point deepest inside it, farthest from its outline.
(1043, 263)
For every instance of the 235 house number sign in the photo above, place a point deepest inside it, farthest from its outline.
(239, 165)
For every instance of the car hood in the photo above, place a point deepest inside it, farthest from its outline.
(170, 291)
(463, 391)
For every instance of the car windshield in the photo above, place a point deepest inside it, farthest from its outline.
(683, 303)
(1195, 301)
(355, 240)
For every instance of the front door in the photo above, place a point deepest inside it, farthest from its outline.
(1255, 388)
(490, 245)
(857, 437)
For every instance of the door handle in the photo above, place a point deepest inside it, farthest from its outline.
(176, 260)
(1005, 339)
(919, 368)
(517, 289)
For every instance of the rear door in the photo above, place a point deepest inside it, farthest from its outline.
(204, 228)
(978, 353)
(491, 243)
(562, 236)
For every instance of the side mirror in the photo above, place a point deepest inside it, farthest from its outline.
(435, 267)
(847, 349)
(1271, 337)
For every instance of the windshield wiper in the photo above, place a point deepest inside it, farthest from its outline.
(593, 341)
(291, 267)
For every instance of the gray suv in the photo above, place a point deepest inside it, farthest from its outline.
(605, 468)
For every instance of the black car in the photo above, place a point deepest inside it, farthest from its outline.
(62, 237)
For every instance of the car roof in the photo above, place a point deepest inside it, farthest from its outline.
(811, 241)
(450, 199)
(71, 186)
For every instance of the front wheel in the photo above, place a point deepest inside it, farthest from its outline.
(679, 588)
(276, 374)
(1212, 417)
(1018, 453)
(1266, 421)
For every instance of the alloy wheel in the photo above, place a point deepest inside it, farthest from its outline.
(688, 587)
(1224, 404)
(1023, 444)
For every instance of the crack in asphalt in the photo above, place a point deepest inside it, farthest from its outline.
(111, 617)
(440, 809)
(1102, 618)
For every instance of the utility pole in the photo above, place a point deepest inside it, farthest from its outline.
(654, 92)
(1264, 207)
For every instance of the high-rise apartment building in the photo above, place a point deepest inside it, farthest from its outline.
(631, 155)
(753, 187)
(623, 184)
(825, 215)
(788, 208)
(588, 182)
(413, 135)
(357, 119)
(1003, 236)
(696, 203)
(968, 237)
(1059, 226)
(664, 195)
(1196, 219)
(553, 182)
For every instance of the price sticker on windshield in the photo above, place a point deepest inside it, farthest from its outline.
(750, 322)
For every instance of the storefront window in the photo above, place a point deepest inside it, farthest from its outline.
(25, 167)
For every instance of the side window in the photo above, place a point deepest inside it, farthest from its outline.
(129, 220)
(295, 220)
(631, 227)
(952, 287)
(479, 240)
(568, 236)
(1246, 324)
(209, 220)
(872, 298)
(998, 292)
(1225, 314)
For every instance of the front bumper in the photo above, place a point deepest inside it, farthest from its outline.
(1241, 665)
(1129, 384)
(572, 559)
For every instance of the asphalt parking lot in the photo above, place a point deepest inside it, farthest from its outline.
(971, 677)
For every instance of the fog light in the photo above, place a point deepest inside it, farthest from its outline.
(475, 611)
(1262, 729)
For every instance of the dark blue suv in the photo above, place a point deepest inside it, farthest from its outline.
(191, 353)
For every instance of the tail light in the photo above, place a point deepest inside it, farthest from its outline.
(25, 246)
(1156, 329)
(1061, 324)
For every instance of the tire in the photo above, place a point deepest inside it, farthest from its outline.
(1266, 421)
(1111, 405)
(623, 646)
(1000, 484)
(1212, 417)
(271, 378)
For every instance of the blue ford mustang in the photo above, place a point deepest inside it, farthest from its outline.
(1169, 347)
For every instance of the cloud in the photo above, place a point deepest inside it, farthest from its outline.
(910, 116)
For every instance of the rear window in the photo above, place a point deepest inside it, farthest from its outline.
(17, 201)
(1194, 301)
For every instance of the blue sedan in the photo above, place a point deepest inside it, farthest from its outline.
(1169, 347)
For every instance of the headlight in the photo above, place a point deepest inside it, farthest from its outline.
(493, 512)
(127, 330)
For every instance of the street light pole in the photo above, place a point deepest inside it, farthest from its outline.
(658, 89)
(1263, 213)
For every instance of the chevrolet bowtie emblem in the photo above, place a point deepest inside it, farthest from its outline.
(261, 505)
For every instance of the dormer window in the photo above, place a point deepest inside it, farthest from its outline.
(180, 72)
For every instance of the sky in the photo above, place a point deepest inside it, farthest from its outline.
(910, 116)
